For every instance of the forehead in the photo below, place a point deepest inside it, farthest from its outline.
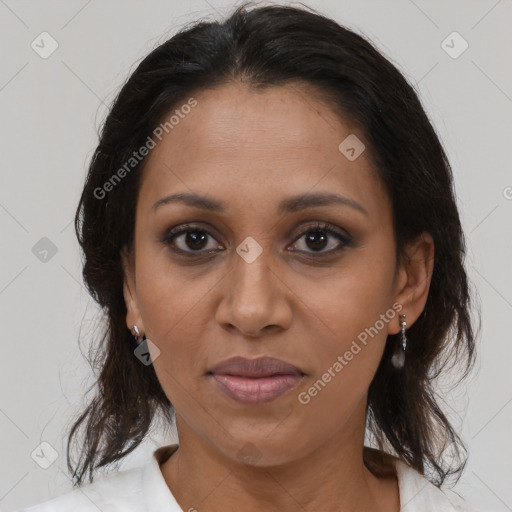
(260, 144)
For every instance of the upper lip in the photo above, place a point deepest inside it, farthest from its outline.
(260, 367)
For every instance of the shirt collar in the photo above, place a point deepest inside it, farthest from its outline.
(156, 492)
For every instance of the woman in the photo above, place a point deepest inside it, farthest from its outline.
(269, 223)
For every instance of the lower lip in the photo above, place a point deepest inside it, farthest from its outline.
(254, 391)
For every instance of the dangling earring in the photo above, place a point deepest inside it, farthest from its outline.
(398, 358)
(137, 339)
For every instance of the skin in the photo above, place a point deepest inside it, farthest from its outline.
(251, 150)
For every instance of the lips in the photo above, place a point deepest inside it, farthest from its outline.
(261, 367)
(255, 381)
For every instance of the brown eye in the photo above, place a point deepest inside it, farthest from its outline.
(322, 239)
(190, 239)
(196, 240)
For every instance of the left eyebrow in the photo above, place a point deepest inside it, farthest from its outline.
(303, 201)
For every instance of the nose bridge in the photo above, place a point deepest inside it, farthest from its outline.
(252, 299)
(252, 280)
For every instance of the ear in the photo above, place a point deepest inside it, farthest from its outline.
(133, 316)
(412, 282)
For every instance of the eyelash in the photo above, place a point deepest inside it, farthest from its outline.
(345, 240)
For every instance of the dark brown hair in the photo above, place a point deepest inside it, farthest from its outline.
(264, 47)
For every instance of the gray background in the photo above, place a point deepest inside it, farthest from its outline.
(50, 111)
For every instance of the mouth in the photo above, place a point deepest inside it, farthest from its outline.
(255, 381)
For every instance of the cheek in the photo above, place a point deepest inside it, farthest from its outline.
(170, 297)
(355, 309)
(346, 366)
(355, 295)
(175, 320)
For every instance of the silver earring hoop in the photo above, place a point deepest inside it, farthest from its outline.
(398, 359)
(138, 337)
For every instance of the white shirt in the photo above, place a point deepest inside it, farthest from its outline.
(144, 489)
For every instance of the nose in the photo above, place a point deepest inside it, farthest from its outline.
(254, 299)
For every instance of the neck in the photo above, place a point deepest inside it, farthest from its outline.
(202, 478)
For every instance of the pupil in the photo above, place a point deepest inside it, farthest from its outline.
(317, 239)
(195, 239)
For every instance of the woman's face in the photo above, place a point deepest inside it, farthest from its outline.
(263, 273)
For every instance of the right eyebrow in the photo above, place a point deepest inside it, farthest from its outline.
(194, 200)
